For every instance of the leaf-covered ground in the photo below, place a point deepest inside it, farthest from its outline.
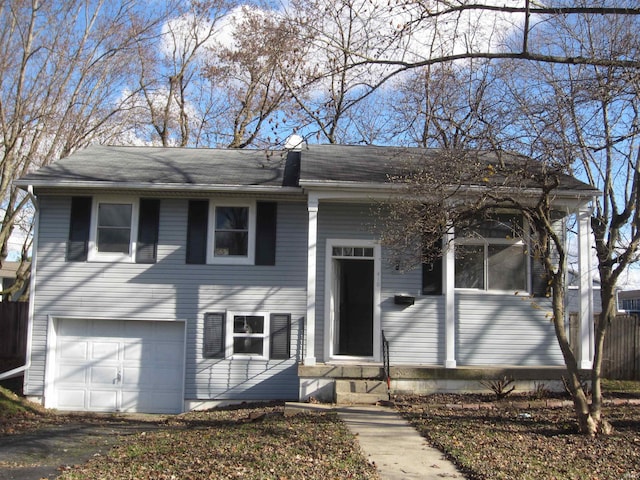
(248, 443)
(530, 443)
(507, 441)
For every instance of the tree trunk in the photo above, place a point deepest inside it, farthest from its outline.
(586, 423)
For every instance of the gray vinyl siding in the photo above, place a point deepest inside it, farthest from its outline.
(335, 221)
(415, 333)
(171, 290)
(491, 329)
(495, 329)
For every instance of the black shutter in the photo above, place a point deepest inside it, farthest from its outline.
(79, 226)
(280, 336)
(539, 280)
(432, 271)
(197, 220)
(213, 345)
(266, 218)
(432, 277)
(148, 223)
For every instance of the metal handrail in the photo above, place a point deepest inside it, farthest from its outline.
(386, 363)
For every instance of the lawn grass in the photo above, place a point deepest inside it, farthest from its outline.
(248, 443)
(620, 387)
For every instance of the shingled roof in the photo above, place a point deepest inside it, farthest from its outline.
(214, 169)
(148, 166)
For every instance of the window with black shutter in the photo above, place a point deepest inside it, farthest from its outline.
(257, 335)
(232, 233)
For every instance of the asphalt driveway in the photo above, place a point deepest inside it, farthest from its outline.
(45, 453)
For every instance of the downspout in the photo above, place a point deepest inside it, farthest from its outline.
(32, 289)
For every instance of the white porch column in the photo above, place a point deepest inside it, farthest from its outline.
(585, 289)
(312, 247)
(449, 263)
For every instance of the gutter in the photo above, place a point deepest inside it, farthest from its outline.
(176, 187)
(32, 288)
(376, 189)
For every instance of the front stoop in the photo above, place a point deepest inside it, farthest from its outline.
(350, 391)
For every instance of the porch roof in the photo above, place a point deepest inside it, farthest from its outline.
(344, 165)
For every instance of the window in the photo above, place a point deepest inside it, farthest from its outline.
(247, 335)
(232, 235)
(114, 228)
(491, 255)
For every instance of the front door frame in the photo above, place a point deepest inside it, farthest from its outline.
(331, 294)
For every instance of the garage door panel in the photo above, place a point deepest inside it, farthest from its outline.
(105, 351)
(168, 354)
(71, 399)
(146, 401)
(138, 330)
(72, 374)
(149, 376)
(106, 328)
(73, 350)
(107, 375)
(138, 352)
(165, 332)
(141, 370)
(103, 400)
(74, 327)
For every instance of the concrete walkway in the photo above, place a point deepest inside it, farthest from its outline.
(395, 447)
(392, 445)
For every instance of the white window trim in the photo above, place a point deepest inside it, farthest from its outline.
(486, 242)
(93, 253)
(249, 259)
(229, 336)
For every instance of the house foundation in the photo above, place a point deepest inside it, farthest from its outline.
(363, 383)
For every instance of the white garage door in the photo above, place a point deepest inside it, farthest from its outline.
(118, 366)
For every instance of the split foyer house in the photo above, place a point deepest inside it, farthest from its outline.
(168, 279)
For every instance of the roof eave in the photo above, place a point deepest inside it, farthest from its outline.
(463, 189)
(159, 187)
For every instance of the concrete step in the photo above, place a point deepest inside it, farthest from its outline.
(360, 391)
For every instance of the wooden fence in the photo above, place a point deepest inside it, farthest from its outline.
(621, 355)
(13, 334)
(621, 359)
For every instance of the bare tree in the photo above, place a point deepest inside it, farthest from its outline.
(250, 75)
(463, 19)
(328, 85)
(577, 118)
(173, 89)
(588, 117)
(447, 106)
(62, 69)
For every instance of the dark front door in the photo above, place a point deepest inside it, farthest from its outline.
(355, 319)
